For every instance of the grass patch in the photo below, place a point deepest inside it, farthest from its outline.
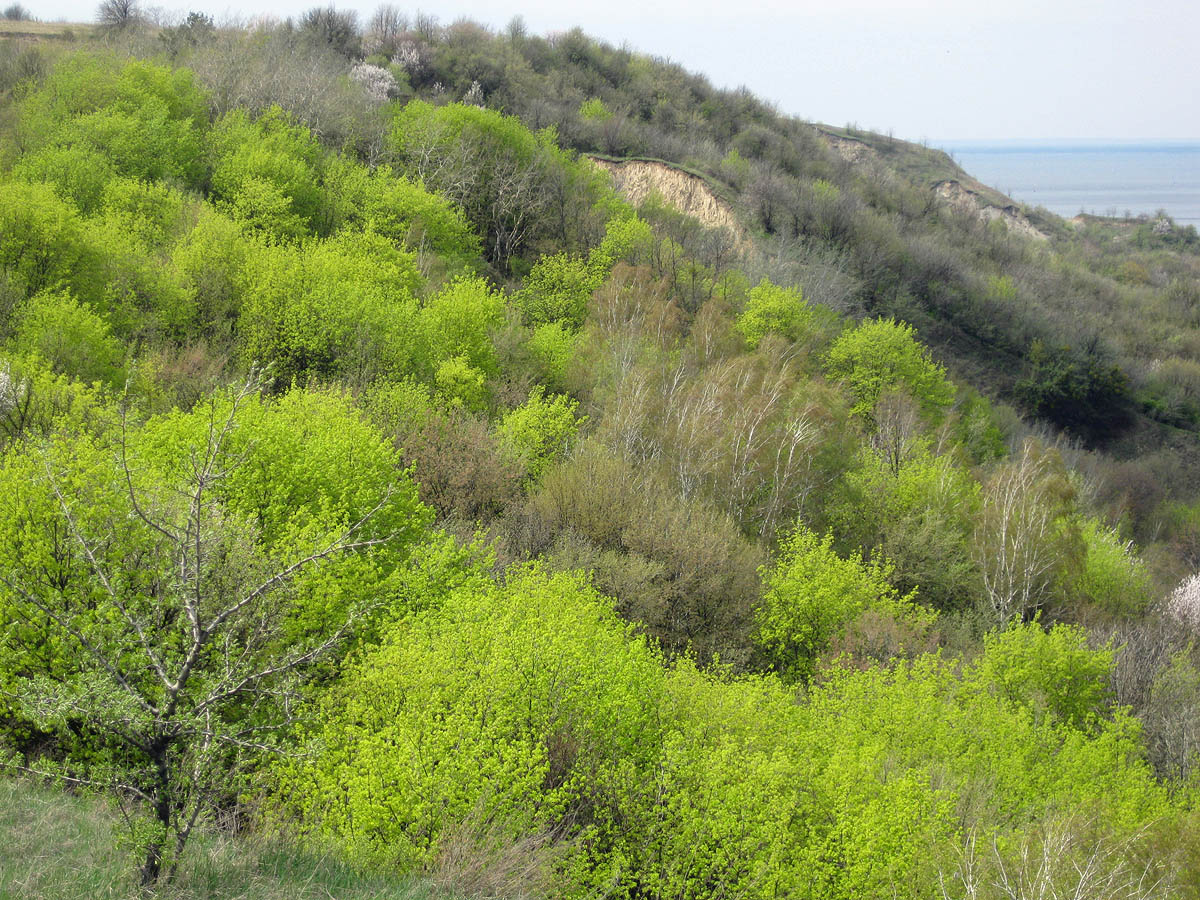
(54, 846)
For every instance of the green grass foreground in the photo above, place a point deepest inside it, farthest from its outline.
(54, 845)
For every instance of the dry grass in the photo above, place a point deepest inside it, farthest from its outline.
(64, 30)
(483, 861)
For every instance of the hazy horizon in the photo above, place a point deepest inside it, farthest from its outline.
(933, 71)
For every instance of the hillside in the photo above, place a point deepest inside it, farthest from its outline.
(510, 463)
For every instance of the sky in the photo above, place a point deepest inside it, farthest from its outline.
(941, 71)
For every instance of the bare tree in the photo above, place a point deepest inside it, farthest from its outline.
(1059, 859)
(118, 15)
(1014, 541)
(173, 620)
(333, 28)
(499, 183)
(385, 30)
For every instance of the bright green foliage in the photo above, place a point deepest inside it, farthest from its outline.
(813, 594)
(883, 355)
(398, 406)
(173, 585)
(42, 241)
(267, 174)
(552, 347)
(774, 309)
(207, 264)
(308, 455)
(388, 204)
(560, 286)
(455, 326)
(1110, 574)
(593, 109)
(722, 811)
(105, 261)
(900, 761)
(458, 321)
(625, 237)
(78, 173)
(146, 211)
(147, 120)
(71, 338)
(1052, 671)
(694, 779)
(461, 384)
(139, 295)
(919, 510)
(558, 290)
(518, 704)
(540, 430)
(141, 143)
(34, 401)
(36, 557)
(342, 305)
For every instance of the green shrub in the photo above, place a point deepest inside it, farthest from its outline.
(78, 173)
(457, 323)
(148, 121)
(71, 338)
(723, 809)
(593, 109)
(343, 305)
(552, 347)
(813, 595)
(558, 290)
(774, 309)
(883, 355)
(541, 429)
(148, 212)
(1052, 671)
(384, 202)
(919, 510)
(43, 243)
(1077, 391)
(208, 262)
(1110, 574)
(267, 174)
(524, 705)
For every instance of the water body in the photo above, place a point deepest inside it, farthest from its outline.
(1103, 179)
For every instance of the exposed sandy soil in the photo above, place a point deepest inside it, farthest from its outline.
(636, 179)
(951, 191)
(964, 198)
(851, 150)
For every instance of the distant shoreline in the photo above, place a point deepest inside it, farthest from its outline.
(1109, 179)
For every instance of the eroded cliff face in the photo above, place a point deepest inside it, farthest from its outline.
(954, 192)
(962, 197)
(636, 179)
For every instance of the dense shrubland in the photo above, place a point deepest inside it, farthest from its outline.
(373, 474)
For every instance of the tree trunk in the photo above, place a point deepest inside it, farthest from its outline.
(151, 869)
